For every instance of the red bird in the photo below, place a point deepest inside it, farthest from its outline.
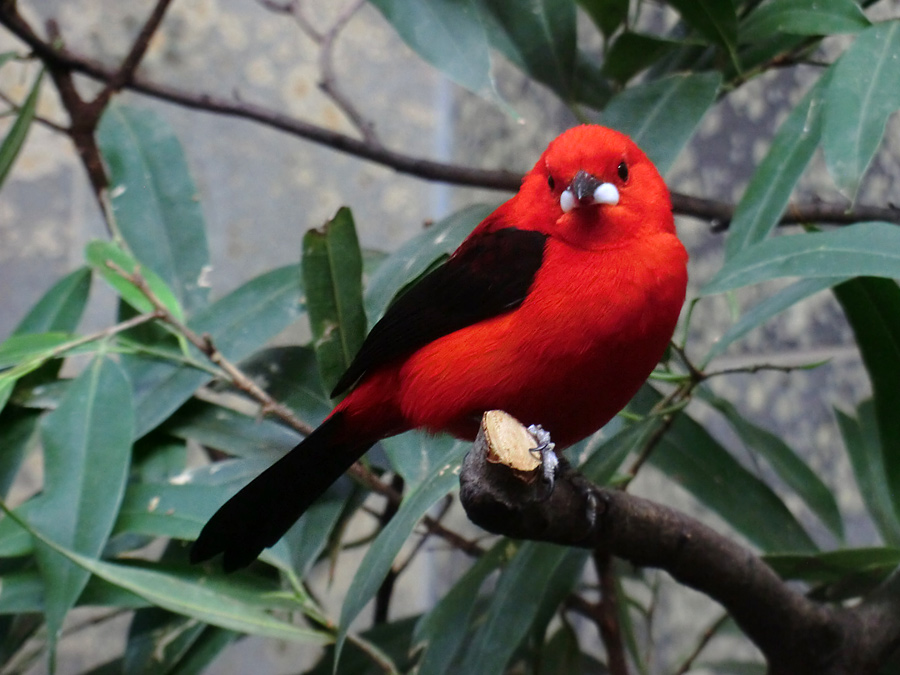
(555, 309)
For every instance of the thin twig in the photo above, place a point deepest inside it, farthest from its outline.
(205, 344)
(607, 614)
(715, 211)
(139, 47)
(326, 40)
(50, 124)
(705, 639)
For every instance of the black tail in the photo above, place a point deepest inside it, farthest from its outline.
(258, 515)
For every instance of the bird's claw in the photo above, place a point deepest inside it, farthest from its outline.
(549, 459)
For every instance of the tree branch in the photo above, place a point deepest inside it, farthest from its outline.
(717, 212)
(797, 635)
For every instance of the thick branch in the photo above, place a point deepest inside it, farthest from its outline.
(796, 635)
(718, 212)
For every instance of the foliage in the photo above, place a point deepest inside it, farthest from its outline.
(114, 438)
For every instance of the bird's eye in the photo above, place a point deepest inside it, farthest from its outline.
(551, 182)
(623, 171)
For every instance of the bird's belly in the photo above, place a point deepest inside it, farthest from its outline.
(569, 361)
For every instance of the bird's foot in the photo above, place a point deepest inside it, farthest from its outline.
(549, 459)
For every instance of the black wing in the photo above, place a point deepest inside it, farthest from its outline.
(488, 275)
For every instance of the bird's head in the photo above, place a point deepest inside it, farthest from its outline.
(593, 186)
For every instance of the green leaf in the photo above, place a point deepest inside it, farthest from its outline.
(213, 600)
(864, 450)
(332, 277)
(770, 187)
(864, 91)
(99, 253)
(381, 554)
(692, 458)
(601, 466)
(442, 630)
(541, 568)
(448, 34)
(872, 307)
(291, 376)
(60, 308)
(18, 132)
(661, 115)
(6, 389)
(768, 308)
(162, 642)
(239, 323)
(716, 20)
(607, 15)
(23, 592)
(539, 36)
(87, 446)
(630, 53)
(224, 429)
(802, 17)
(796, 473)
(154, 200)
(832, 566)
(168, 510)
(417, 255)
(862, 249)
(416, 454)
(18, 434)
(19, 348)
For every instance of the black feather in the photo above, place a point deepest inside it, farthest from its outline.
(488, 275)
(257, 516)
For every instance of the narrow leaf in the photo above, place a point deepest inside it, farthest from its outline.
(415, 455)
(100, 253)
(770, 307)
(832, 566)
(61, 307)
(864, 91)
(864, 450)
(661, 115)
(803, 17)
(224, 429)
(154, 199)
(770, 187)
(381, 554)
(688, 455)
(191, 593)
(332, 277)
(872, 307)
(607, 15)
(239, 323)
(538, 36)
(18, 348)
(448, 34)
(796, 473)
(630, 53)
(714, 19)
(512, 612)
(18, 434)
(863, 249)
(87, 445)
(443, 630)
(18, 132)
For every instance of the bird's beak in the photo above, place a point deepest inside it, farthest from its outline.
(585, 189)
